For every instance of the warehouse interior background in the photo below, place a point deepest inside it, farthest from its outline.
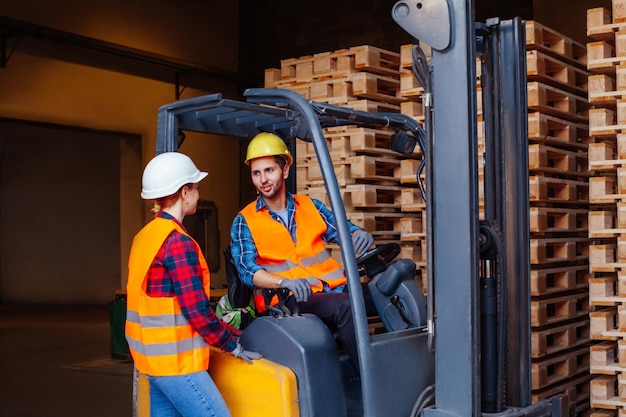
(80, 86)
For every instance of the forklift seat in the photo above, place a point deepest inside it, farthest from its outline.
(400, 302)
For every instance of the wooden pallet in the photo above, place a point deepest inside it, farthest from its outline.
(550, 250)
(607, 290)
(412, 200)
(557, 309)
(371, 106)
(608, 257)
(608, 223)
(383, 225)
(608, 357)
(348, 141)
(606, 122)
(556, 219)
(547, 281)
(551, 370)
(607, 188)
(352, 170)
(608, 155)
(608, 391)
(372, 197)
(376, 87)
(556, 161)
(560, 337)
(600, 24)
(556, 102)
(576, 389)
(605, 324)
(556, 190)
(416, 251)
(555, 72)
(413, 229)
(551, 42)
(543, 128)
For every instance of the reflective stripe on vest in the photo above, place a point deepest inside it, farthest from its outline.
(161, 340)
(279, 255)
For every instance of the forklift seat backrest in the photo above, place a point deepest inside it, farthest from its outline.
(239, 294)
(400, 302)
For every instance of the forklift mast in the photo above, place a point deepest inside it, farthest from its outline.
(479, 323)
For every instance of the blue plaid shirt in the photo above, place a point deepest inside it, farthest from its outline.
(242, 245)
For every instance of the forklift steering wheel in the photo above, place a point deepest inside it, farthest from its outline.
(377, 260)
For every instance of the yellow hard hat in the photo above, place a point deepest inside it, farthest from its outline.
(267, 144)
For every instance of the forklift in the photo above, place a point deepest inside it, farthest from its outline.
(464, 348)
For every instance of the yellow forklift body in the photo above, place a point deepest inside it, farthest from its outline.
(264, 388)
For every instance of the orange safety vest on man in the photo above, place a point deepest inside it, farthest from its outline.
(278, 254)
(161, 340)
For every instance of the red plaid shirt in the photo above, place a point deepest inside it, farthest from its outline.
(175, 272)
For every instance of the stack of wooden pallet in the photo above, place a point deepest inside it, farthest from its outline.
(558, 192)
(368, 172)
(607, 224)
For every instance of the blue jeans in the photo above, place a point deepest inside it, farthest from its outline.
(191, 395)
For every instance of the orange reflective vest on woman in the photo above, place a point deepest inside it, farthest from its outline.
(278, 254)
(161, 340)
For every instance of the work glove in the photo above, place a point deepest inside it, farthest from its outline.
(246, 355)
(361, 240)
(300, 288)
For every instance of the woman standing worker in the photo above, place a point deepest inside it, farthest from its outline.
(170, 323)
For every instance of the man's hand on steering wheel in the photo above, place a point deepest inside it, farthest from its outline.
(362, 240)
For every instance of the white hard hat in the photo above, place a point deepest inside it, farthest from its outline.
(166, 173)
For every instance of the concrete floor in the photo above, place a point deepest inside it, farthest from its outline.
(55, 361)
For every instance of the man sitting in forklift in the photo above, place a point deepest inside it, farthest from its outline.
(279, 241)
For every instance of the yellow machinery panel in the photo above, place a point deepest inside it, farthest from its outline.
(264, 388)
